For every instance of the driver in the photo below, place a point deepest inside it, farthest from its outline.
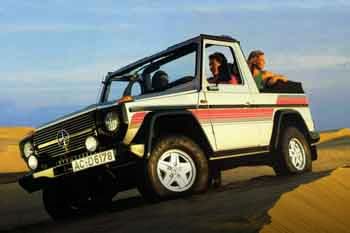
(219, 68)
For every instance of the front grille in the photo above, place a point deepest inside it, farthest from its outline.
(78, 128)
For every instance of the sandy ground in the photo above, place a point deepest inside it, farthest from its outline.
(334, 134)
(11, 161)
(251, 199)
(320, 206)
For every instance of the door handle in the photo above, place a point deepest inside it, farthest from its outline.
(213, 88)
(203, 101)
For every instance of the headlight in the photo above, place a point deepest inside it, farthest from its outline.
(32, 162)
(91, 144)
(28, 149)
(111, 121)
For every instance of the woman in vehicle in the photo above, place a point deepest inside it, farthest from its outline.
(263, 78)
(219, 68)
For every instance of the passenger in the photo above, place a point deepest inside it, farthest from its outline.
(219, 68)
(263, 78)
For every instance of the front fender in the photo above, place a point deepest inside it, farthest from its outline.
(147, 132)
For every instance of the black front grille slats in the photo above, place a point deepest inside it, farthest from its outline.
(78, 128)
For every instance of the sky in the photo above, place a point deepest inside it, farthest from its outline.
(55, 53)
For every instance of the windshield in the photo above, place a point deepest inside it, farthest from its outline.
(158, 74)
(117, 89)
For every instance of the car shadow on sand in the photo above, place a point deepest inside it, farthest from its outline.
(235, 207)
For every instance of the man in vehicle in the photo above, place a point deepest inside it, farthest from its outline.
(263, 78)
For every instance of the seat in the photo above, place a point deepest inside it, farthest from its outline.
(160, 81)
(234, 71)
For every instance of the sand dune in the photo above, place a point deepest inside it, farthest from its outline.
(332, 135)
(15, 133)
(9, 152)
(320, 206)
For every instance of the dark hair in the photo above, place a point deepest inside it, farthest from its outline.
(219, 57)
(224, 73)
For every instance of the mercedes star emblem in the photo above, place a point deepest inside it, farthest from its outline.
(63, 138)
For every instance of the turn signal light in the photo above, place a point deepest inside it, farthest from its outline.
(125, 99)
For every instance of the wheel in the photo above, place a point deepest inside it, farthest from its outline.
(177, 166)
(60, 202)
(293, 154)
(65, 200)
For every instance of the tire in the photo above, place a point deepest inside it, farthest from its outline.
(293, 155)
(177, 167)
(58, 202)
(66, 200)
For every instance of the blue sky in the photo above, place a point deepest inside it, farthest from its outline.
(55, 53)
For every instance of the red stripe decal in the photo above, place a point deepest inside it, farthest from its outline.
(138, 117)
(239, 113)
(292, 100)
(224, 113)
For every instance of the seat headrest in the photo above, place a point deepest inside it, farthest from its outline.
(160, 80)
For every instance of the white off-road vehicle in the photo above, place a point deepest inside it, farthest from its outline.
(162, 127)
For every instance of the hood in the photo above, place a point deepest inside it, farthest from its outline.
(84, 110)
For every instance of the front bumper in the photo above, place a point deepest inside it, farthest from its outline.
(31, 184)
(37, 180)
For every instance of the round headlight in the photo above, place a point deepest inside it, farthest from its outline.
(32, 162)
(111, 121)
(91, 144)
(28, 149)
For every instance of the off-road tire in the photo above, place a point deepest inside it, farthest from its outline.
(63, 201)
(153, 188)
(283, 164)
(57, 202)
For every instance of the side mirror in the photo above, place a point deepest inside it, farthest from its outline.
(213, 88)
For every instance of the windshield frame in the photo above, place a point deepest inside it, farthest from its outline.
(131, 71)
(132, 80)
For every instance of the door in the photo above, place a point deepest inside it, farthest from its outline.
(231, 114)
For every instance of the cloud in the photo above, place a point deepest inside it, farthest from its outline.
(42, 88)
(316, 72)
(15, 28)
(265, 5)
(295, 62)
(82, 73)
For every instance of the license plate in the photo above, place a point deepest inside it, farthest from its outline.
(93, 160)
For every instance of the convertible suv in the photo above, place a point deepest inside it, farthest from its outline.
(162, 127)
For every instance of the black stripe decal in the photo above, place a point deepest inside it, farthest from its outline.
(187, 107)
(255, 106)
(159, 108)
(241, 151)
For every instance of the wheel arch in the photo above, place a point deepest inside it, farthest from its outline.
(290, 117)
(160, 123)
